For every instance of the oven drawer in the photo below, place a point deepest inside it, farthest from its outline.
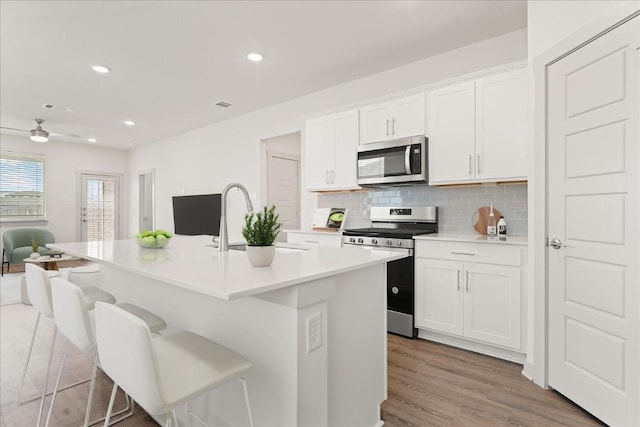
(485, 253)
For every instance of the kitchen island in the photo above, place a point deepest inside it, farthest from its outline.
(313, 323)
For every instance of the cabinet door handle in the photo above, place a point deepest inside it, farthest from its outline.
(466, 280)
(387, 127)
(393, 126)
(462, 253)
(326, 177)
(478, 164)
(312, 241)
(470, 172)
(459, 279)
(333, 177)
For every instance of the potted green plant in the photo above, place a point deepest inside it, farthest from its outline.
(260, 230)
(35, 246)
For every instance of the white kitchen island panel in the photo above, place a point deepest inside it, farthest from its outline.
(264, 317)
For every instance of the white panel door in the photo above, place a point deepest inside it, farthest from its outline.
(492, 304)
(501, 126)
(344, 172)
(439, 295)
(593, 201)
(283, 188)
(451, 132)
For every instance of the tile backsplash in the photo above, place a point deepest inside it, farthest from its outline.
(456, 205)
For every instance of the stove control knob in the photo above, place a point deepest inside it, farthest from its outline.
(352, 239)
(399, 242)
(360, 240)
(374, 241)
(389, 242)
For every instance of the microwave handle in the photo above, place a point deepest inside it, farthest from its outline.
(407, 160)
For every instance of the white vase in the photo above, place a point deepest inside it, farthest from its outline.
(34, 255)
(261, 256)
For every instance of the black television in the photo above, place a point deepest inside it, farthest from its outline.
(197, 214)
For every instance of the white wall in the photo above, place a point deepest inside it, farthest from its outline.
(549, 21)
(62, 160)
(206, 159)
(550, 24)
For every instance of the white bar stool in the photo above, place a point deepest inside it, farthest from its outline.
(86, 275)
(39, 290)
(76, 322)
(23, 285)
(163, 373)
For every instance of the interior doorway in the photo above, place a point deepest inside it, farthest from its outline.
(146, 200)
(281, 178)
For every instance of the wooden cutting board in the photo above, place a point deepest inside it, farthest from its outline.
(481, 218)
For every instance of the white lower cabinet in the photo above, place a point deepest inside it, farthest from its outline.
(478, 300)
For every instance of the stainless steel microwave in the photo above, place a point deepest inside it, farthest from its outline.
(396, 162)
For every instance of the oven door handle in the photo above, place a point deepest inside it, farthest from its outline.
(407, 251)
(407, 160)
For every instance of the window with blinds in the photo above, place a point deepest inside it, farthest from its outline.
(22, 195)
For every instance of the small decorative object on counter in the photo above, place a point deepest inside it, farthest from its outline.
(491, 224)
(502, 227)
(35, 245)
(260, 230)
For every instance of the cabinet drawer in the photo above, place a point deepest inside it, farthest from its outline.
(315, 239)
(486, 253)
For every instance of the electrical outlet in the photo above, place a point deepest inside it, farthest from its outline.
(314, 332)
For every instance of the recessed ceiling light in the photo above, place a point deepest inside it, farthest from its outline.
(255, 57)
(129, 122)
(92, 140)
(100, 69)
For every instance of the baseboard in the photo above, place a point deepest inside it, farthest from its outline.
(489, 350)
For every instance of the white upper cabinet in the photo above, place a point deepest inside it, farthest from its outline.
(393, 119)
(330, 151)
(478, 130)
(501, 126)
(451, 133)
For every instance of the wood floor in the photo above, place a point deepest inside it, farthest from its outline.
(434, 384)
(429, 385)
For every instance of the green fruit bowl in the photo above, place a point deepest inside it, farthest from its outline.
(153, 239)
(152, 243)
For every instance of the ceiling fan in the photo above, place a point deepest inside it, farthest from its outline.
(40, 135)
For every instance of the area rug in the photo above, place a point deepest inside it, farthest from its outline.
(10, 287)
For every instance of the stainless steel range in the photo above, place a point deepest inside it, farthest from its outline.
(393, 228)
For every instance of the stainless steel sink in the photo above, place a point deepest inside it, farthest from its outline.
(234, 247)
(238, 247)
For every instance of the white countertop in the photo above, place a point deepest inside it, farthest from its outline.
(329, 233)
(189, 263)
(474, 238)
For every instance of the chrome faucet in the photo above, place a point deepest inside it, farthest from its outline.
(223, 241)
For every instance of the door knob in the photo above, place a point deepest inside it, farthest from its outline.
(395, 290)
(556, 243)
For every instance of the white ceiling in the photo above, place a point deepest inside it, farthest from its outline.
(172, 60)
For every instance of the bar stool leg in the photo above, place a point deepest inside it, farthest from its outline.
(107, 418)
(46, 380)
(55, 388)
(246, 396)
(26, 364)
(94, 372)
